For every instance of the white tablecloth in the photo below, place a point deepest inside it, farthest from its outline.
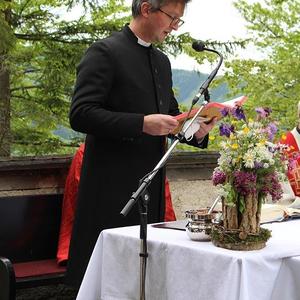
(181, 269)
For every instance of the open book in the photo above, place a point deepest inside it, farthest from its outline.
(211, 110)
(278, 213)
(291, 213)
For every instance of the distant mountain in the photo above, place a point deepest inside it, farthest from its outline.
(187, 83)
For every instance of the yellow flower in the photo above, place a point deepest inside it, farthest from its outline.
(262, 142)
(211, 138)
(234, 146)
(283, 137)
(246, 130)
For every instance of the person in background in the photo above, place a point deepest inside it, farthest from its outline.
(69, 206)
(123, 101)
(292, 139)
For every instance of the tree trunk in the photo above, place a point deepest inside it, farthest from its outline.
(5, 134)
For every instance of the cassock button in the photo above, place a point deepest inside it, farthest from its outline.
(155, 71)
(159, 86)
(160, 103)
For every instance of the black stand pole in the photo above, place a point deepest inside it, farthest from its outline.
(143, 208)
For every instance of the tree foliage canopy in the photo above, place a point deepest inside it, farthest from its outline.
(41, 51)
(273, 81)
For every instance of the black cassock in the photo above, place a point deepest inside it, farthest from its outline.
(118, 82)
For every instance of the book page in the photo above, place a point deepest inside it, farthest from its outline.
(209, 111)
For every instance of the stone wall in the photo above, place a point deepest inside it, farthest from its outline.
(191, 194)
(189, 174)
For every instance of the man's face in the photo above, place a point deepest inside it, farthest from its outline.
(166, 19)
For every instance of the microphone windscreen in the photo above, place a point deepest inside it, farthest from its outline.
(198, 46)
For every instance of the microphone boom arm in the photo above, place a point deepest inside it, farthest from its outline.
(211, 76)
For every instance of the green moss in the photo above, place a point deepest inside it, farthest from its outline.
(232, 238)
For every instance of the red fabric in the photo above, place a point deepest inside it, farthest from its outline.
(35, 268)
(169, 210)
(69, 204)
(294, 173)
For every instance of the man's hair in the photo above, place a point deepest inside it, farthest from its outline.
(156, 4)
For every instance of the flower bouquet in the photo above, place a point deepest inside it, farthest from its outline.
(250, 168)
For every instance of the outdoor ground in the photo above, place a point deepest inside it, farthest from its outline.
(187, 195)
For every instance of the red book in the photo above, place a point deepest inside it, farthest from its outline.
(211, 110)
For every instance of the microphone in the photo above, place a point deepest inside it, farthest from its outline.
(198, 46)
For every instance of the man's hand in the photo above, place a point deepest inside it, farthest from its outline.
(205, 128)
(158, 124)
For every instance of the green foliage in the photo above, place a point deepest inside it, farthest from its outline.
(7, 38)
(273, 81)
(42, 51)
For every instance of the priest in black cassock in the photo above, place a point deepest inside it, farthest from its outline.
(124, 103)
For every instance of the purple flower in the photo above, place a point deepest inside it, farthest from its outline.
(258, 165)
(271, 185)
(245, 182)
(226, 129)
(225, 111)
(218, 177)
(271, 131)
(238, 113)
(263, 112)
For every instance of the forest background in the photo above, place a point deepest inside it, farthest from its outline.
(39, 51)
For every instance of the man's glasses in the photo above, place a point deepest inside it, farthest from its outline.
(175, 21)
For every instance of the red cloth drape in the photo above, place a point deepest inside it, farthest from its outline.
(69, 205)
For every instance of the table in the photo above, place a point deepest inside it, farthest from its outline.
(288, 279)
(181, 269)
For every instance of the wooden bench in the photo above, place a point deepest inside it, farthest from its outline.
(31, 192)
(29, 228)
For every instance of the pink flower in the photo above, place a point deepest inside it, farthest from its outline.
(245, 182)
(218, 177)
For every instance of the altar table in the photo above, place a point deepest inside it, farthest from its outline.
(181, 269)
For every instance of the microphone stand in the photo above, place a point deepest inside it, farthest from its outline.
(142, 193)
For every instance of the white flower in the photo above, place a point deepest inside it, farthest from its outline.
(249, 159)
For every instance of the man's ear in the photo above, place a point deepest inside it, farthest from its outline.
(145, 9)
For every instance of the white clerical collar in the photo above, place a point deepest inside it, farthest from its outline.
(143, 43)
